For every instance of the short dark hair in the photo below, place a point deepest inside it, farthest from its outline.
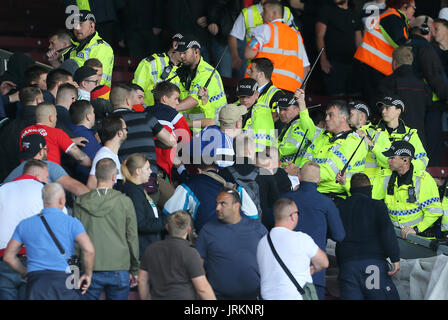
(61, 34)
(28, 95)
(33, 73)
(110, 127)
(164, 88)
(397, 4)
(64, 89)
(119, 93)
(359, 180)
(135, 87)
(33, 163)
(264, 65)
(275, 3)
(234, 193)
(55, 76)
(78, 111)
(104, 169)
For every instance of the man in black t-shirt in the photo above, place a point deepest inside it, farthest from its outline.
(338, 30)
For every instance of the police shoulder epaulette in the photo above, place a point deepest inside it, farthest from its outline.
(100, 41)
(151, 58)
(161, 55)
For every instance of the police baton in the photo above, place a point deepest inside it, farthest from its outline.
(214, 70)
(63, 49)
(293, 100)
(348, 162)
(300, 147)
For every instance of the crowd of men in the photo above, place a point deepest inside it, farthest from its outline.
(162, 186)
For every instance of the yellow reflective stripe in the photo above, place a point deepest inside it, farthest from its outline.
(408, 223)
(371, 165)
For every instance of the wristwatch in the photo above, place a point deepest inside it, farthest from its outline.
(416, 229)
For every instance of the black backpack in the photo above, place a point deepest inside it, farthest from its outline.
(249, 184)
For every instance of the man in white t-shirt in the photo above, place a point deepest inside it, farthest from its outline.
(298, 251)
(113, 133)
(241, 32)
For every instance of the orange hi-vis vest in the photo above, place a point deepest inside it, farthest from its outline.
(377, 47)
(285, 50)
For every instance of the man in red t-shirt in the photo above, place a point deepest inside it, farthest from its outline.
(57, 140)
(166, 96)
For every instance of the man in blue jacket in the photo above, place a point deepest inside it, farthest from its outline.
(319, 216)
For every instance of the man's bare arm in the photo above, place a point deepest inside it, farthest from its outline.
(80, 156)
(203, 288)
(73, 185)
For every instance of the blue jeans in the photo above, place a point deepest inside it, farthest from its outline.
(12, 286)
(225, 67)
(115, 285)
(358, 281)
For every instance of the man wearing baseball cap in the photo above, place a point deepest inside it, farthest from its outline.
(410, 194)
(292, 135)
(201, 90)
(391, 108)
(216, 142)
(87, 44)
(86, 79)
(258, 121)
(157, 68)
(377, 140)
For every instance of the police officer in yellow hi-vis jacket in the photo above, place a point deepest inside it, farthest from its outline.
(377, 140)
(333, 147)
(410, 194)
(391, 108)
(192, 77)
(88, 44)
(157, 68)
(292, 135)
(258, 121)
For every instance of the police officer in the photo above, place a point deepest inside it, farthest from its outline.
(261, 70)
(291, 137)
(333, 147)
(249, 19)
(88, 44)
(410, 194)
(157, 68)
(391, 108)
(377, 140)
(258, 120)
(192, 77)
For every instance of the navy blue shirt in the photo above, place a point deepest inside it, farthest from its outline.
(318, 217)
(93, 146)
(90, 149)
(230, 254)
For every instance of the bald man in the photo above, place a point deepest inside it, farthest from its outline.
(296, 249)
(57, 140)
(319, 216)
(46, 268)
